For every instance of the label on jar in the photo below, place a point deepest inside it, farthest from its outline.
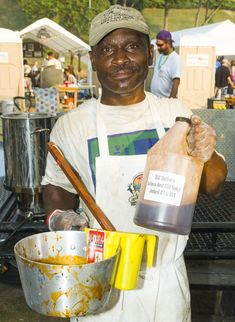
(164, 187)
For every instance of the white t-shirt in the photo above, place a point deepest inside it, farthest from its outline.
(130, 129)
(72, 79)
(27, 69)
(167, 68)
(52, 62)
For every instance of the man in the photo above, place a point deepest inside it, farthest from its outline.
(166, 75)
(106, 141)
(52, 61)
(27, 79)
(218, 61)
(27, 68)
(223, 82)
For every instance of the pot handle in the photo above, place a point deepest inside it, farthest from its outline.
(22, 98)
(40, 131)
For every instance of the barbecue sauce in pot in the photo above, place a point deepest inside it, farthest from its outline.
(63, 260)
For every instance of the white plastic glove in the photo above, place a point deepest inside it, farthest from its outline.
(66, 220)
(201, 139)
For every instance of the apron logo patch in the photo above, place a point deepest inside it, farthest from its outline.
(134, 189)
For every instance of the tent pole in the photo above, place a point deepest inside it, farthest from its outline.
(79, 66)
(71, 58)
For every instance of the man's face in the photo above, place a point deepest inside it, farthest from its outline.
(162, 46)
(121, 60)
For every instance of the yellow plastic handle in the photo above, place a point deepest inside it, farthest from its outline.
(151, 244)
(112, 242)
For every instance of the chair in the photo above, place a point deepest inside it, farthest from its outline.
(50, 77)
(46, 99)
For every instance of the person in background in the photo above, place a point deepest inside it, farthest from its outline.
(70, 80)
(233, 71)
(70, 75)
(108, 149)
(60, 59)
(35, 68)
(218, 62)
(27, 68)
(223, 82)
(52, 61)
(166, 75)
(27, 79)
(35, 75)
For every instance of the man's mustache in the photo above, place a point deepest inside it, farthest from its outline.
(125, 68)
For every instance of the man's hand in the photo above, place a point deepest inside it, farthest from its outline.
(201, 139)
(66, 220)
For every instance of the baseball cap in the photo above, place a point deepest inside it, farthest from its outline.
(164, 35)
(113, 18)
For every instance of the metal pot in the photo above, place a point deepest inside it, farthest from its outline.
(25, 138)
(8, 107)
(62, 290)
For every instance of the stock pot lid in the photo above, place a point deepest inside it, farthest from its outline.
(24, 116)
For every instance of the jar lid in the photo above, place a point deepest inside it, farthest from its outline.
(183, 119)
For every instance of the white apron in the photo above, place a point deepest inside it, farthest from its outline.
(162, 293)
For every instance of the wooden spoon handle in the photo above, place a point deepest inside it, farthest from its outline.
(80, 187)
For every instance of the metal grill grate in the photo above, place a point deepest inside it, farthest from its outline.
(214, 213)
(4, 194)
(222, 209)
(211, 241)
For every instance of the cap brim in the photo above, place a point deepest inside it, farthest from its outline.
(100, 34)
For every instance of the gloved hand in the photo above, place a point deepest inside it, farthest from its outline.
(66, 220)
(201, 139)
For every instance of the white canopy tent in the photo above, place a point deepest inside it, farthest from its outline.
(52, 35)
(9, 36)
(221, 35)
(11, 65)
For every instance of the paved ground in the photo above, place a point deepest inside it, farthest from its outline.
(13, 307)
(207, 306)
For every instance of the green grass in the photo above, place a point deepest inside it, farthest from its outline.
(181, 18)
(12, 17)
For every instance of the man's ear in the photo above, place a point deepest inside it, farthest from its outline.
(151, 53)
(92, 61)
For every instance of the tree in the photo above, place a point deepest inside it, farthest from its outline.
(168, 4)
(198, 13)
(138, 4)
(165, 4)
(211, 7)
(216, 6)
(73, 15)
